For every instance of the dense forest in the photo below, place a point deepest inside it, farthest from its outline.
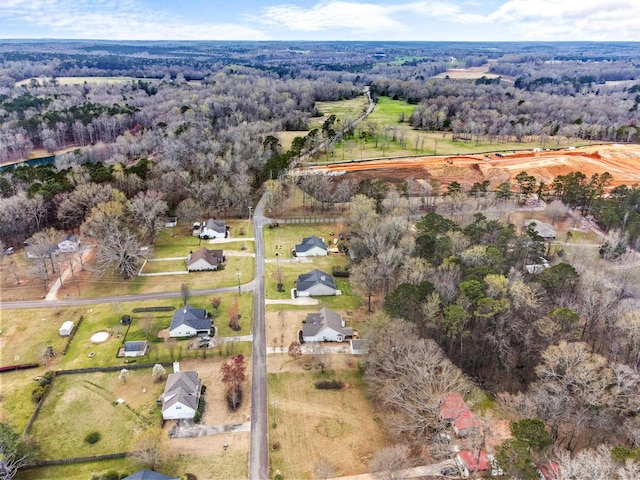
(194, 132)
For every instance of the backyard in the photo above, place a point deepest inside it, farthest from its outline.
(311, 429)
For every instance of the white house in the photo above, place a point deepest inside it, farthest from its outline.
(69, 243)
(205, 259)
(214, 229)
(316, 283)
(136, 348)
(189, 321)
(66, 328)
(325, 326)
(181, 395)
(311, 247)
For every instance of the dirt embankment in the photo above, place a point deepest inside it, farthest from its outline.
(621, 161)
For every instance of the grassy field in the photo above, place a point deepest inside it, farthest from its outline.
(82, 80)
(310, 425)
(394, 114)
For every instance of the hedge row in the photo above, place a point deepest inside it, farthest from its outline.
(153, 309)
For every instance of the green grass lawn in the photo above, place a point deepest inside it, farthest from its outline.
(287, 236)
(96, 395)
(79, 471)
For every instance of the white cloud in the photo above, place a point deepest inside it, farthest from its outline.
(366, 17)
(115, 20)
(570, 19)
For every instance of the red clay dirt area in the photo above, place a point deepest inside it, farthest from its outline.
(621, 161)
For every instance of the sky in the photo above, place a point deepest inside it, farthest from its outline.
(392, 20)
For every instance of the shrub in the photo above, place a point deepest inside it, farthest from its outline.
(329, 384)
(93, 437)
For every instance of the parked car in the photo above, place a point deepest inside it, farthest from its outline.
(450, 472)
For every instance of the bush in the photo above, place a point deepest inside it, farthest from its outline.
(329, 384)
(93, 437)
(340, 273)
(111, 475)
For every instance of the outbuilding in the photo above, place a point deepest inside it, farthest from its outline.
(66, 328)
(137, 348)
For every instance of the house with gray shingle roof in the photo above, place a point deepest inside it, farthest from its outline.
(149, 475)
(325, 326)
(205, 259)
(214, 229)
(69, 243)
(311, 247)
(181, 395)
(189, 321)
(545, 230)
(315, 283)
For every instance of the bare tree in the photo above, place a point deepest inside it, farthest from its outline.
(120, 251)
(148, 208)
(390, 463)
(364, 277)
(147, 448)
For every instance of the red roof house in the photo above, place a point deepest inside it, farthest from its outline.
(549, 471)
(466, 424)
(451, 406)
(473, 461)
(454, 409)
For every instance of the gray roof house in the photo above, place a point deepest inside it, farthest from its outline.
(325, 326)
(205, 259)
(214, 229)
(311, 247)
(189, 321)
(545, 230)
(69, 243)
(181, 395)
(138, 348)
(316, 282)
(149, 475)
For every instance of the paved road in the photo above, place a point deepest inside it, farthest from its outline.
(259, 450)
(70, 302)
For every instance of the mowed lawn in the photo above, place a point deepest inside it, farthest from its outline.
(94, 397)
(310, 425)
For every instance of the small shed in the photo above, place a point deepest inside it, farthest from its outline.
(66, 328)
(136, 348)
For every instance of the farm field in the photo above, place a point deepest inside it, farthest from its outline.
(311, 427)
